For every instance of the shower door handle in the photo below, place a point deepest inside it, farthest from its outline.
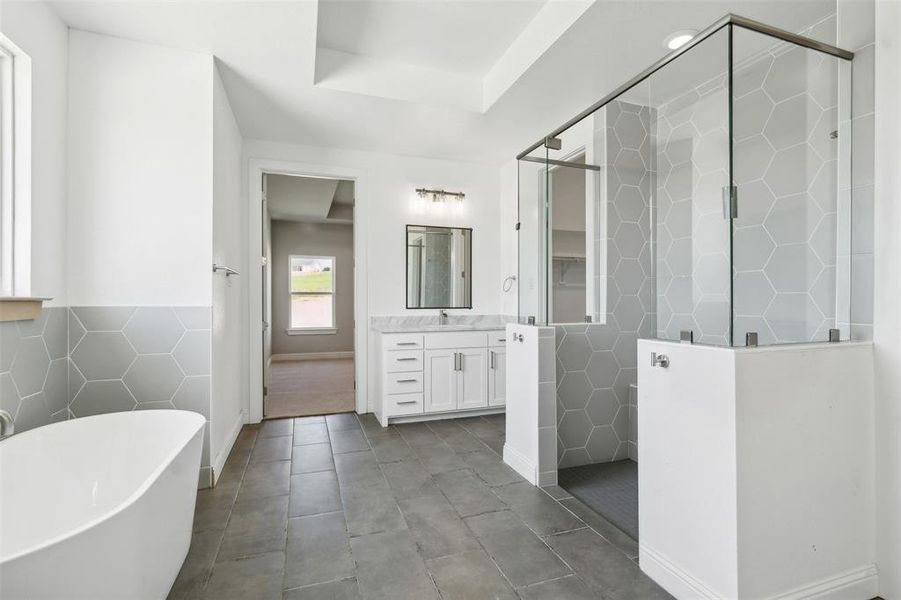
(659, 360)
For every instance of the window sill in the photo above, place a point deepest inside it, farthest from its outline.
(20, 308)
(313, 331)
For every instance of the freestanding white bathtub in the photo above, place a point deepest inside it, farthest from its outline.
(98, 507)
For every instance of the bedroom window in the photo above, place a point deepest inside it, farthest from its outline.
(312, 288)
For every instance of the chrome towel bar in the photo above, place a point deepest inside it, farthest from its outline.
(228, 270)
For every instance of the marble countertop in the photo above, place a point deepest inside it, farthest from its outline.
(431, 323)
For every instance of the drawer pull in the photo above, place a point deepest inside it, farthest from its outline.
(407, 380)
(406, 359)
(407, 343)
(502, 339)
(408, 402)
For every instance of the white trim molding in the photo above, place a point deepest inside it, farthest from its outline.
(219, 459)
(256, 168)
(311, 356)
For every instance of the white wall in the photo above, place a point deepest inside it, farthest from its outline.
(508, 201)
(140, 174)
(390, 203)
(887, 308)
(36, 29)
(229, 331)
(385, 203)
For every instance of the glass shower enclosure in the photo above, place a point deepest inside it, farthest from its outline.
(709, 197)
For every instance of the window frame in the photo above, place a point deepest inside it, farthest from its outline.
(327, 330)
(15, 170)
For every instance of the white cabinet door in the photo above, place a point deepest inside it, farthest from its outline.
(497, 376)
(473, 374)
(440, 380)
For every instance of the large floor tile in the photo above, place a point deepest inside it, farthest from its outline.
(603, 567)
(271, 448)
(389, 568)
(342, 421)
(479, 427)
(357, 468)
(519, 553)
(608, 530)
(310, 433)
(211, 509)
(391, 448)
(419, 434)
(263, 516)
(468, 576)
(345, 589)
(468, 494)
(312, 458)
(408, 479)
(276, 427)
(262, 480)
(436, 526)
(314, 493)
(371, 508)
(439, 459)
(258, 577)
(348, 440)
(318, 550)
(198, 566)
(571, 588)
(539, 511)
(491, 468)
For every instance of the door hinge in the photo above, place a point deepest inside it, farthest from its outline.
(730, 202)
(518, 225)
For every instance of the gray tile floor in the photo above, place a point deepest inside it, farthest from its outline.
(337, 507)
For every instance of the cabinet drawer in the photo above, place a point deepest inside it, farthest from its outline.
(456, 339)
(403, 383)
(400, 361)
(403, 404)
(403, 341)
(497, 338)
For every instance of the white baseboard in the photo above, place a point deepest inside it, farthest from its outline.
(311, 356)
(219, 461)
(673, 579)
(861, 583)
(521, 464)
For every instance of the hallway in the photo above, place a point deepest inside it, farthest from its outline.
(302, 388)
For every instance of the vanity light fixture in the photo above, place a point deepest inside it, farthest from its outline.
(676, 40)
(439, 195)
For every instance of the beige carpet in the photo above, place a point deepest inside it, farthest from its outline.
(310, 387)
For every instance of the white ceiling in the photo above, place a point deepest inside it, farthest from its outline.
(309, 199)
(568, 55)
(463, 37)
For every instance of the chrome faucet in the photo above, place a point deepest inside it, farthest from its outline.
(442, 317)
(6, 424)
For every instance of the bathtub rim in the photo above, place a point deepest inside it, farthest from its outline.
(127, 502)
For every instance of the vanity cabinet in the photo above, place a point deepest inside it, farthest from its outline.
(437, 373)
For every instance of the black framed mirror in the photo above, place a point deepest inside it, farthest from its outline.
(439, 267)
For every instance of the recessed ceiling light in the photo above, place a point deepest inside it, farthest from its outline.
(676, 40)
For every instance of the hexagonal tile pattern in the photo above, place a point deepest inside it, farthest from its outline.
(9, 344)
(103, 355)
(602, 407)
(154, 330)
(574, 427)
(574, 390)
(574, 352)
(193, 353)
(153, 378)
(29, 369)
(602, 444)
(602, 369)
(99, 397)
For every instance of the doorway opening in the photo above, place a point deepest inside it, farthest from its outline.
(308, 296)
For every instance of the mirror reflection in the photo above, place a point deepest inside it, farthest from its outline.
(439, 264)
